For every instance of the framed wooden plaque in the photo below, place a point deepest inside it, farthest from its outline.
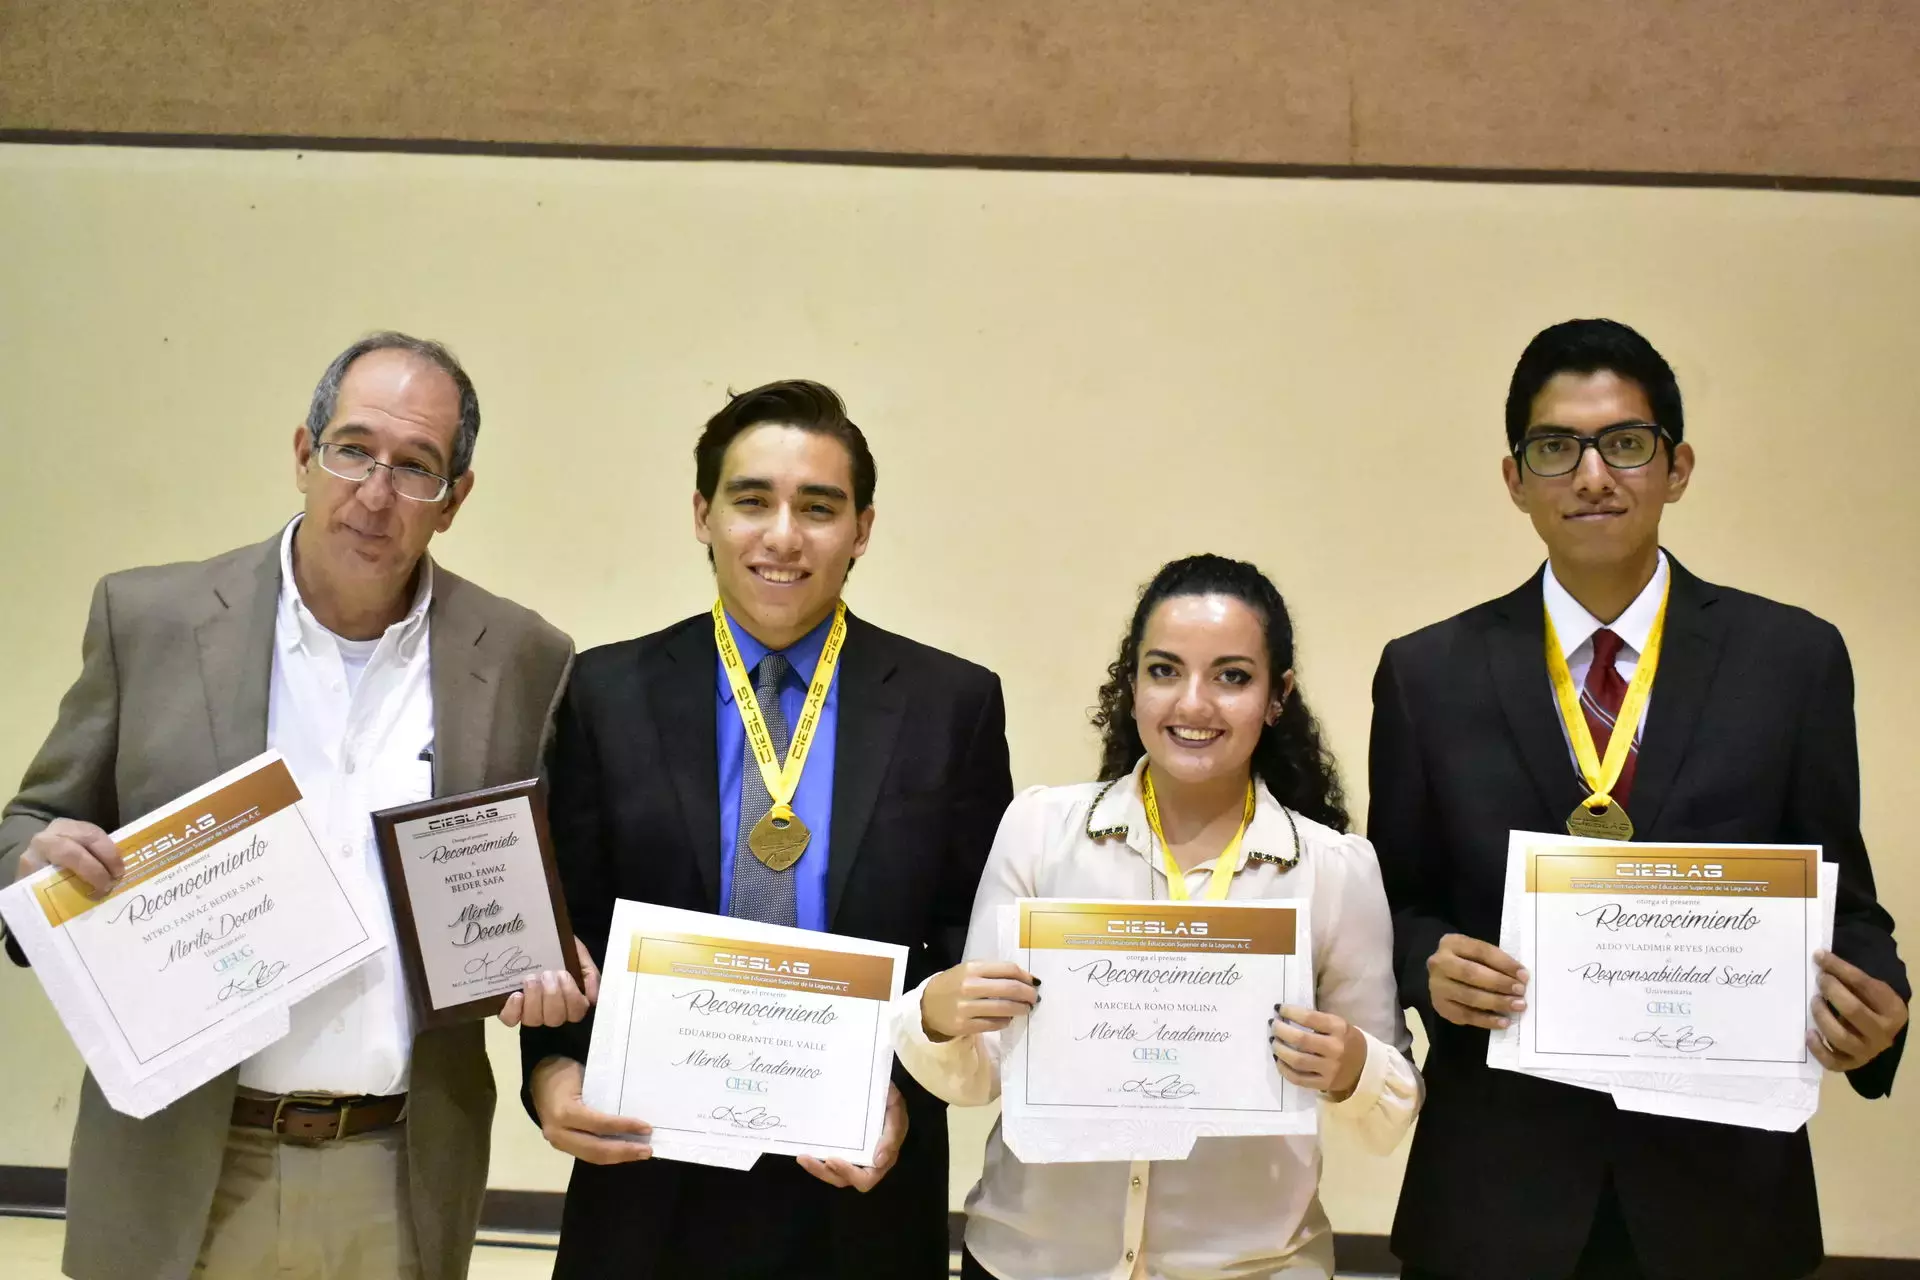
(476, 898)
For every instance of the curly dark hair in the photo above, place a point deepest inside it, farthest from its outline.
(1291, 757)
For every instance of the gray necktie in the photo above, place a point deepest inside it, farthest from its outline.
(759, 892)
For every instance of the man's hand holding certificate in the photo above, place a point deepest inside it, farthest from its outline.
(732, 1038)
(227, 914)
(1680, 978)
(1153, 1027)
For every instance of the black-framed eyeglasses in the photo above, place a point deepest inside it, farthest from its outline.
(1624, 446)
(351, 462)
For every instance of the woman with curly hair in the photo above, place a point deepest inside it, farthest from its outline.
(1209, 750)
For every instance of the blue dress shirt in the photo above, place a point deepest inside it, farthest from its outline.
(813, 802)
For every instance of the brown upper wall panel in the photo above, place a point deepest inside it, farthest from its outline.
(1768, 87)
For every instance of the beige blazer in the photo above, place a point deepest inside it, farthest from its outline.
(173, 691)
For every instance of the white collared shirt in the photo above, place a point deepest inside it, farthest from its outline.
(355, 741)
(1575, 628)
(1237, 1206)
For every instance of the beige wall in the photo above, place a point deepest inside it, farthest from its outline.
(1067, 380)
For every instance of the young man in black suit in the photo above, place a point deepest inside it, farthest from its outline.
(656, 798)
(1748, 738)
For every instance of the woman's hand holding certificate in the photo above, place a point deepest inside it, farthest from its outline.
(1159, 1027)
(1318, 1051)
(980, 995)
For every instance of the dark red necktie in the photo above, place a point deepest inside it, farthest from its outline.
(1601, 700)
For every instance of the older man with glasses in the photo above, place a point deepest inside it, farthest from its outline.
(1480, 728)
(353, 1147)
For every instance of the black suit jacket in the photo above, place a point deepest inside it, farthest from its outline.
(1749, 739)
(920, 781)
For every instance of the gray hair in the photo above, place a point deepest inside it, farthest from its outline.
(326, 396)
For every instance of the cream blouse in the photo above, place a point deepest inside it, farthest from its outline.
(1237, 1207)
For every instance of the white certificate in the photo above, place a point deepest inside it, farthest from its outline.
(733, 1038)
(227, 915)
(1152, 1028)
(1673, 959)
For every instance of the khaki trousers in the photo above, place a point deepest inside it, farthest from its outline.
(335, 1211)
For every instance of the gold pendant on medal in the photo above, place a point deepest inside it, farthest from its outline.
(1608, 821)
(779, 838)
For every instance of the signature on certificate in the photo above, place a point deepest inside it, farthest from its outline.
(1161, 1088)
(501, 964)
(1684, 1040)
(256, 979)
(746, 1117)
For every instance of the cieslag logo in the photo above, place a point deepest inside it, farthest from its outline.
(464, 819)
(761, 964)
(1670, 870)
(172, 840)
(1159, 928)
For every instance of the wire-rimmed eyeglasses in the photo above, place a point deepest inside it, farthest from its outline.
(351, 462)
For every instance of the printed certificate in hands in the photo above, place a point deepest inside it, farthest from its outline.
(227, 915)
(1152, 1029)
(1678, 977)
(733, 1038)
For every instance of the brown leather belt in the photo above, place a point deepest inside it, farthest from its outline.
(300, 1117)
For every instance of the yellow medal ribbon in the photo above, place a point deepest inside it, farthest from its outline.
(1223, 866)
(1603, 815)
(782, 779)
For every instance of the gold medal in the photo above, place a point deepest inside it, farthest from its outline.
(1604, 822)
(1600, 816)
(779, 838)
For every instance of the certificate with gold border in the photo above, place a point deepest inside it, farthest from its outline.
(733, 1038)
(1677, 958)
(1155, 1013)
(228, 914)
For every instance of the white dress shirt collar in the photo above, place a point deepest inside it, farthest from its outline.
(1575, 626)
(1119, 811)
(305, 630)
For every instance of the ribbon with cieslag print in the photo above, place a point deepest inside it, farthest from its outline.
(477, 905)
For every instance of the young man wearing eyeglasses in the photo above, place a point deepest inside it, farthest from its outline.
(1748, 737)
(352, 1147)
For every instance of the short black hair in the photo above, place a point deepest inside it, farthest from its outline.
(795, 402)
(1588, 346)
